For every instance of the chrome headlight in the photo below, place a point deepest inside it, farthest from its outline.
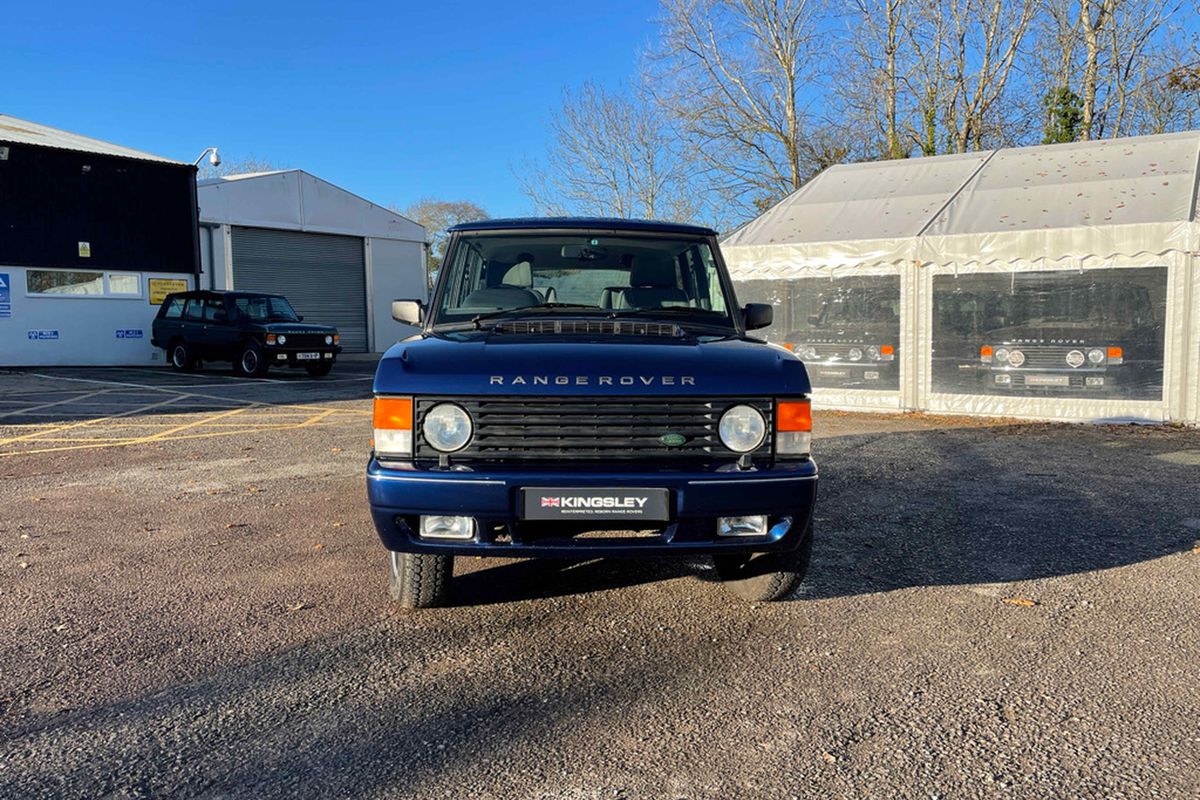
(1001, 355)
(742, 429)
(1075, 358)
(447, 427)
(1096, 355)
(873, 353)
(1016, 358)
(328, 340)
(856, 354)
(281, 339)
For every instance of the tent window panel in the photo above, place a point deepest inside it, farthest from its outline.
(1097, 333)
(846, 330)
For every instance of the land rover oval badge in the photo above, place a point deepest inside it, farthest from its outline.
(673, 439)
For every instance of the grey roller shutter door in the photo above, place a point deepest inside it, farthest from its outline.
(323, 276)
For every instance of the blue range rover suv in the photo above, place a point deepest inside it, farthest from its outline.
(587, 388)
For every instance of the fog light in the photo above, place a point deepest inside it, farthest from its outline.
(742, 526)
(1004, 380)
(1094, 381)
(281, 356)
(447, 527)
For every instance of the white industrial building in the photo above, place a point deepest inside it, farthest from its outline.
(338, 258)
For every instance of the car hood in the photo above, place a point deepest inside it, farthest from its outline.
(295, 327)
(510, 365)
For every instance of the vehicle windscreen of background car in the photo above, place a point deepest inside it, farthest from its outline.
(618, 274)
(265, 308)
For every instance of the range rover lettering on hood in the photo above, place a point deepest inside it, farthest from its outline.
(592, 380)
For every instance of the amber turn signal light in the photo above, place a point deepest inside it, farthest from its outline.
(393, 413)
(793, 415)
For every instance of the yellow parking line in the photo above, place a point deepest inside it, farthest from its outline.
(164, 434)
(61, 428)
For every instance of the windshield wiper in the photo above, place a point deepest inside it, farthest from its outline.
(666, 310)
(507, 311)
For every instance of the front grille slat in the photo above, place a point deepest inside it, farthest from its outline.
(532, 429)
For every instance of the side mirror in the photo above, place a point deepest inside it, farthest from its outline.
(410, 312)
(758, 315)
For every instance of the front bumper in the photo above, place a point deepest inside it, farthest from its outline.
(398, 496)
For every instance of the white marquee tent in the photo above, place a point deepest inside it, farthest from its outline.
(974, 283)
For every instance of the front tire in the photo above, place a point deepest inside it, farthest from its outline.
(318, 370)
(419, 580)
(250, 362)
(763, 577)
(181, 356)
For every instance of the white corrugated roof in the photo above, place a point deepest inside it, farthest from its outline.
(19, 131)
(292, 199)
(1145, 179)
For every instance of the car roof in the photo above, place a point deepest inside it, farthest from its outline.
(582, 223)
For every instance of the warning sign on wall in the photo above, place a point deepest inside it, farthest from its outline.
(161, 287)
(5, 296)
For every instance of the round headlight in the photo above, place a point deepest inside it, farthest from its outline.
(742, 429)
(810, 353)
(1075, 358)
(1001, 355)
(856, 354)
(873, 353)
(1016, 358)
(447, 427)
(281, 339)
(328, 340)
(1096, 355)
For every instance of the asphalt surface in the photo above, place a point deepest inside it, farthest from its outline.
(199, 610)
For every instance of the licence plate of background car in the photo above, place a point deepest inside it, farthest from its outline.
(1047, 380)
(584, 504)
(834, 373)
(308, 356)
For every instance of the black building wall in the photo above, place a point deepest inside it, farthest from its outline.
(136, 215)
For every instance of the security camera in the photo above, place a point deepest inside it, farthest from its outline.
(215, 158)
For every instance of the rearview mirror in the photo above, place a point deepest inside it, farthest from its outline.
(410, 312)
(582, 252)
(758, 315)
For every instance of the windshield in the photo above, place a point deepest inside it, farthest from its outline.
(857, 306)
(1096, 304)
(501, 276)
(265, 308)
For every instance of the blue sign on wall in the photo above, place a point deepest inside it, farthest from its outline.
(5, 295)
(42, 335)
(129, 333)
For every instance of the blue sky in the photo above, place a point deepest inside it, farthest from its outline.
(392, 101)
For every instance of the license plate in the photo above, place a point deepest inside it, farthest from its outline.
(834, 373)
(587, 504)
(1047, 380)
(308, 356)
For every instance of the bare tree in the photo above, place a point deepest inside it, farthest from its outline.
(611, 154)
(239, 166)
(731, 74)
(436, 216)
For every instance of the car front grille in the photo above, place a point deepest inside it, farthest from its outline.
(522, 429)
(297, 340)
(1050, 357)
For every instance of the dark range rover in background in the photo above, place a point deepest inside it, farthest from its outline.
(1092, 334)
(253, 331)
(851, 340)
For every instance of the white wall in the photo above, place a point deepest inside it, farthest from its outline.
(395, 271)
(86, 326)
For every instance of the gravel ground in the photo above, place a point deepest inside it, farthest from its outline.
(994, 610)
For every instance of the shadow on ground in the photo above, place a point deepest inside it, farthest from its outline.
(976, 505)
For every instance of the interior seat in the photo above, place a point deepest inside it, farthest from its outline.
(652, 285)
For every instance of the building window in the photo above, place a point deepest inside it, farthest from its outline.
(124, 284)
(63, 282)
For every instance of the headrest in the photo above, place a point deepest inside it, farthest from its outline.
(519, 274)
(656, 274)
